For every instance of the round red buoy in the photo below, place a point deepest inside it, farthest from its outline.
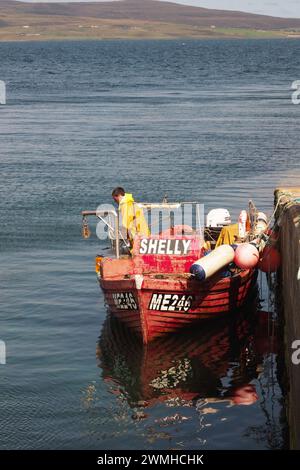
(270, 260)
(246, 256)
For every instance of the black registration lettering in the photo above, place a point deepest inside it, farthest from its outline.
(124, 300)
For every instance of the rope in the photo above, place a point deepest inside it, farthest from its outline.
(263, 235)
(208, 232)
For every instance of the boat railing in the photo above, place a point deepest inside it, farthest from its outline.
(110, 218)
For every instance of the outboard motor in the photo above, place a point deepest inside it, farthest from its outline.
(218, 218)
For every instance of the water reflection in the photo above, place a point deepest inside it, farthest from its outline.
(207, 364)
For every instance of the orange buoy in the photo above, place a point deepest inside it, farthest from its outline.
(270, 260)
(98, 262)
(246, 256)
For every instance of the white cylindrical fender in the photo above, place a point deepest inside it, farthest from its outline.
(209, 265)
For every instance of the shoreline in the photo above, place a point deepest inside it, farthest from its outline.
(146, 38)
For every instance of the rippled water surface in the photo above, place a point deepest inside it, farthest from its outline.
(201, 120)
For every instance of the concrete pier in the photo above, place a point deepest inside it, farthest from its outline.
(288, 216)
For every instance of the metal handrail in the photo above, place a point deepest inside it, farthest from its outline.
(104, 213)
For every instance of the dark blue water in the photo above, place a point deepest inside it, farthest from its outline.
(201, 120)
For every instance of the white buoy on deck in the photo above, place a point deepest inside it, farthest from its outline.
(210, 264)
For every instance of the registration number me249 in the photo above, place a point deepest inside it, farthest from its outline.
(171, 302)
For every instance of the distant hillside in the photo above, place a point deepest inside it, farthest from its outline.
(133, 19)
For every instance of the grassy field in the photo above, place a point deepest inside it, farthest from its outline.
(120, 29)
(133, 19)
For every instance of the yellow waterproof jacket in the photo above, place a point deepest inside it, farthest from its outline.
(133, 219)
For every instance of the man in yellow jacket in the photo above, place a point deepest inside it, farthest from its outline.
(133, 219)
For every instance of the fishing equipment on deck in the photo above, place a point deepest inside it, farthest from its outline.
(261, 224)
(246, 256)
(242, 224)
(85, 231)
(266, 241)
(270, 260)
(218, 218)
(228, 235)
(209, 265)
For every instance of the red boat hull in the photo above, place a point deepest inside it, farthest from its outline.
(153, 305)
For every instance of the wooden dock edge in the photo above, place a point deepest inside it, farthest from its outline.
(287, 201)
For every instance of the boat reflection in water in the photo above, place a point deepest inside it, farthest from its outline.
(214, 363)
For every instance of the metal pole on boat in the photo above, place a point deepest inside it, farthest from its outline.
(117, 237)
(85, 213)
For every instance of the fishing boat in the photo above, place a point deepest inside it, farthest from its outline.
(149, 284)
